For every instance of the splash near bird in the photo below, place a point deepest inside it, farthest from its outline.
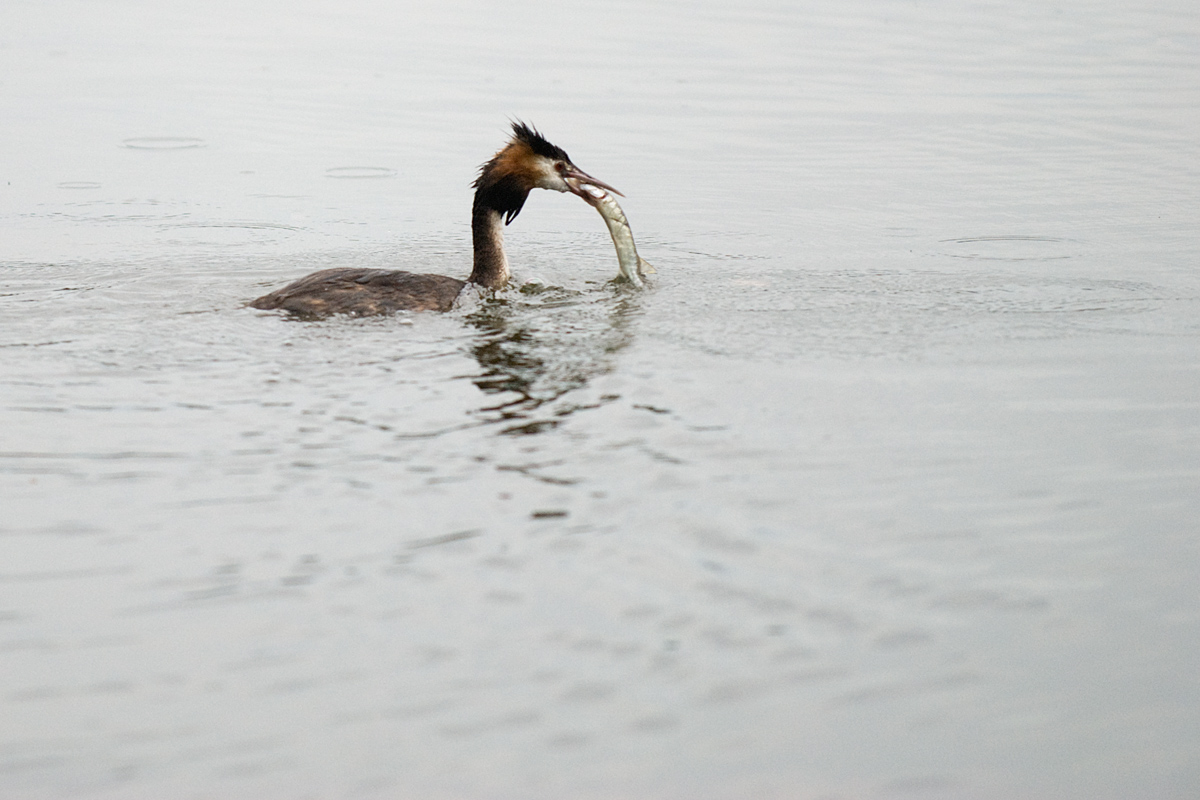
(527, 162)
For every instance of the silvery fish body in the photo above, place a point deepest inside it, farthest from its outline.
(633, 267)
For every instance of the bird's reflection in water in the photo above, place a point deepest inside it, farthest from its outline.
(540, 345)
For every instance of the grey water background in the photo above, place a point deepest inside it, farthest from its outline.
(888, 488)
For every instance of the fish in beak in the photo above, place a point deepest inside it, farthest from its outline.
(577, 180)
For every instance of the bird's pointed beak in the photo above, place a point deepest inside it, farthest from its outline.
(577, 181)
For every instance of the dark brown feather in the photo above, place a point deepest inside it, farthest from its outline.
(363, 292)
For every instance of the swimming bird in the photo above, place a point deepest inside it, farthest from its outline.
(525, 163)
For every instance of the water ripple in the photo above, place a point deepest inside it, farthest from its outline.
(359, 173)
(1012, 248)
(162, 143)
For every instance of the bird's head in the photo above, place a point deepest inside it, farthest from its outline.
(529, 162)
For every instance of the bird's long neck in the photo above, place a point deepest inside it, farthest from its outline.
(487, 233)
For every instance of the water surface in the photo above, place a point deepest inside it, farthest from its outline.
(887, 487)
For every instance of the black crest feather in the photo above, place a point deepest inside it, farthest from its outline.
(537, 143)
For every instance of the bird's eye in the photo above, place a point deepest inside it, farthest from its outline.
(560, 166)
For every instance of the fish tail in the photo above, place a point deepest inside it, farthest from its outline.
(644, 267)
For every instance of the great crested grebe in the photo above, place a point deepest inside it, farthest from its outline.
(527, 162)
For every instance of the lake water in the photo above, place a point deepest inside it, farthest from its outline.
(887, 488)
